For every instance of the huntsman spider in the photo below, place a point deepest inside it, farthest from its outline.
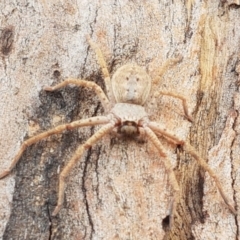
(127, 92)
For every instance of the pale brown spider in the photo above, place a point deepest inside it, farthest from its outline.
(126, 94)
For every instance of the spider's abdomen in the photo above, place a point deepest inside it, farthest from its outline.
(131, 84)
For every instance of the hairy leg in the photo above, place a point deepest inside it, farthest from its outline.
(83, 83)
(103, 66)
(80, 123)
(76, 157)
(164, 68)
(162, 130)
(190, 149)
(180, 97)
(172, 178)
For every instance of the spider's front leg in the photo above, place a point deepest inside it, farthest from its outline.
(171, 176)
(76, 124)
(77, 155)
(190, 149)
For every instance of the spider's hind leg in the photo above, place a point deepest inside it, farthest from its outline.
(83, 83)
(103, 65)
(165, 67)
(178, 96)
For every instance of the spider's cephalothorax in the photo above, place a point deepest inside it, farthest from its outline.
(129, 129)
(127, 92)
(129, 118)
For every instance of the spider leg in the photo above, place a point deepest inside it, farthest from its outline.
(80, 123)
(158, 128)
(103, 66)
(170, 63)
(172, 178)
(190, 149)
(183, 99)
(77, 155)
(83, 83)
(162, 70)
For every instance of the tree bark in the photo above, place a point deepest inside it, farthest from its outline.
(120, 188)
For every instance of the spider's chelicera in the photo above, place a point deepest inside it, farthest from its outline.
(127, 92)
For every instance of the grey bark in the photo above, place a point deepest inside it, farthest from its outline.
(119, 189)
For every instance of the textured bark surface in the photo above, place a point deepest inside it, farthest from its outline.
(119, 189)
